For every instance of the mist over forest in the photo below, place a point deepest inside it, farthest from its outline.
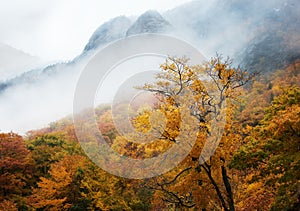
(166, 132)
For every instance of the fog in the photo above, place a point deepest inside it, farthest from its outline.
(223, 27)
(14, 62)
(34, 104)
(58, 29)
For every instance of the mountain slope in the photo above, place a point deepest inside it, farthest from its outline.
(278, 42)
(108, 32)
(261, 35)
(13, 62)
(112, 30)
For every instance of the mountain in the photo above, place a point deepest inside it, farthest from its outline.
(112, 30)
(261, 36)
(108, 32)
(149, 22)
(121, 27)
(278, 41)
(14, 62)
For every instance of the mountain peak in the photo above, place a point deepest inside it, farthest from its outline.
(149, 22)
(109, 31)
(151, 14)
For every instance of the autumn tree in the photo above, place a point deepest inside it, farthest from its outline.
(262, 91)
(62, 190)
(48, 148)
(67, 180)
(15, 165)
(203, 90)
(271, 155)
(15, 169)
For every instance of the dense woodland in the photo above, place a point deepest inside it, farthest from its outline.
(255, 166)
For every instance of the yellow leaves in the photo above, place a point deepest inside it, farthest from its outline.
(254, 196)
(186, 68)
(164, 67)
(147, 86)
(282, 119)
(173, 120)
(204, 126)
(170, 101)
(142, 122)
(54, 193)
(172, 66)
(219, 67)
(163, 83)
(197, 86)
(168, 66)
(101, 189)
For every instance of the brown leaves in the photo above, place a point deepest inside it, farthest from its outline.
(14, 164)
(6, 205)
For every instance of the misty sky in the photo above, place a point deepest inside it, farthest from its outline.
(59, 29)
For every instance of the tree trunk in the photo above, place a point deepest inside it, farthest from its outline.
(214, 183)
(228, 188)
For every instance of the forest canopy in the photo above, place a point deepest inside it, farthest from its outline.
(255, 165)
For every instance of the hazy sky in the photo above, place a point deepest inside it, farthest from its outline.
(59, 29)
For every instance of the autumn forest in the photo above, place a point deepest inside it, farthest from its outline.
(254, 166)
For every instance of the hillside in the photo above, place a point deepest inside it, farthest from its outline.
(221, 135)
(13, 62)
(53, 172)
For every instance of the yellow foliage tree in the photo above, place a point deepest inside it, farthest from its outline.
(200, 91)
(59, 191)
